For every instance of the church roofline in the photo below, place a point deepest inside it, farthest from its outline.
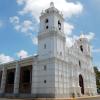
(19, 60)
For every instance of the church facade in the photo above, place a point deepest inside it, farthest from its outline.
(57, 71)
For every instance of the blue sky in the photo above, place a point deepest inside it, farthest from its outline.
(19, 21)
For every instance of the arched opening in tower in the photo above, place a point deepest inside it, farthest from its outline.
(81, 83)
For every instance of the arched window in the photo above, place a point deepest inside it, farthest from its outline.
(81, 83)
(47, 11)
(45, 67)
(45, 81)
(59, 24)
(81, 48)
(79, 63)
(46, 20)
(47, 27)
(45, 46)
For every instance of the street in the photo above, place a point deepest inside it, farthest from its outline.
(80, 98)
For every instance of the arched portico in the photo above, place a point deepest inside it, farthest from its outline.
(25, 79)
(10, 80)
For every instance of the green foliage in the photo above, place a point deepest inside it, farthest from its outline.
(97, 72)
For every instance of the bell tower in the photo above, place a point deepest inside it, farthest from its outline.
(51, 37)
(51, 51)
(51, 18)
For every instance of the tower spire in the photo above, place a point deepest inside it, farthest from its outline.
(51, 4)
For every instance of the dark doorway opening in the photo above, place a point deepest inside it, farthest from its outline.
(81, 83)
(10, 81)
(0, 77)
(25, 79)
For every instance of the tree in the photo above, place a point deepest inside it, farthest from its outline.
(97, 72)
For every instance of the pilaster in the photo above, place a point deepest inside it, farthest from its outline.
(34, 79)
(17, 79)
(3, 81)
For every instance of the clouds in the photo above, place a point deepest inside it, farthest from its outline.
(22, 54)
(4, 58)
(1, 23)
(70, 40)
(90, 36)
(34, 40)
(96, 50)
(27, 27)
(14, 19)
(68, 28)
(96, 4)
(34, 7)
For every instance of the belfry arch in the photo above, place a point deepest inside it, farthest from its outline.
(81, 83)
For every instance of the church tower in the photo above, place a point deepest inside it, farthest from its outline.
(51, 52)
(51, 37)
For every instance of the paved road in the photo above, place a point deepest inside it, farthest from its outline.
(82, 98)
(89, 98)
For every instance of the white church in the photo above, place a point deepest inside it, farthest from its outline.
(57, 71)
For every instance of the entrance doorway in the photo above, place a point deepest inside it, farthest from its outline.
(81, 83)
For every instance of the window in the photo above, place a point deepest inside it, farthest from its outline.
(80, 40)
(47, 11)
(59, 25)
(81, 48)
(47, 27)
(45, 81)
(59, 22)
(46, 21)
(60, 53)
(45, 67)
(44, 46)
(80, 63)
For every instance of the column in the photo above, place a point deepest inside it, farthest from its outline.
(34, 79)
(17, 79)
(3, 81)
